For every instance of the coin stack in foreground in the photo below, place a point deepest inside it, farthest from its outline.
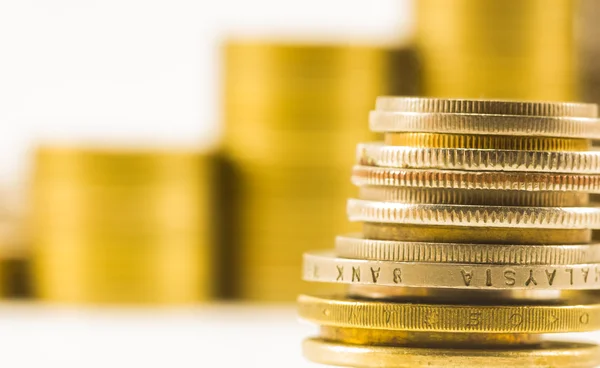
(292, 115)
(117, 225)
(476, 240)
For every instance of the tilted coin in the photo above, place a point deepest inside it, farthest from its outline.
(547, 354)
(473, 197)
(377, 154)
(467, 234)
(490, 180)
(506, 125)
(443, 140)
(474, 216)
(410, 316)
(503, 107)
(358, 247)
(326, 267)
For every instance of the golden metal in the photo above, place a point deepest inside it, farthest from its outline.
(363, 336)
(442, 140)
(491, 235)
(483, 180)
(123, 225)
(575, 316)
(358, 247)
(545, 355)
(473, 197)
(324, 266)
(450, 296)
(488, 107)
(292, 114)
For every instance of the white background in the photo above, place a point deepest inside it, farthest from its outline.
(146, 70)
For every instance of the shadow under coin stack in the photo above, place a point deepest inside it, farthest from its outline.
(476, 240)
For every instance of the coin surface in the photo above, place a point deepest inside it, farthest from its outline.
(489, 180)
(358, 247)
(467, 234)
(326, 267)
(466, 123)
(377, 154)
(474, 216)
(475, 106)
(363, 336)
(546, 355)
(444, 140)
(473, 197)
(410, 316)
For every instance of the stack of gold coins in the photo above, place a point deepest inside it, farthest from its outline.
(497, 48)
(117, 225)
(476, 239)
(292, 113)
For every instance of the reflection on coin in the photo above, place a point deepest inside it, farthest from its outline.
(376, 154)
(410, 316)
(358, 247)
(473, 106)
(507, 125)
(474, 216)
(489, 180)
(548, 354)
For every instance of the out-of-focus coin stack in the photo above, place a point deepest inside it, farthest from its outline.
(497, 49)
(292, 114)
(15, 242)
(476, 240)
(116, 225)
(588, 32)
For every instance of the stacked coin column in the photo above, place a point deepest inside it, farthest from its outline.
(292, 113)
(476, 240)
(122, 225)
(497, 48)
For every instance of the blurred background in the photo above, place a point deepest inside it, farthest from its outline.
(163, 165)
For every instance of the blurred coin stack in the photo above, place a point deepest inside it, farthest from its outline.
(476, 240)
(117, 225)
(292, 113)
(588, 31)
(497, 48)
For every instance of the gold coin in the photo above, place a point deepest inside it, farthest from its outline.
(358, 247)
(491, 235)
(545, 355)
(442, 140)
(484, 180)
(324, 266)
(366, 336)
(481, 106)
(450, 296)
(576, 316)
(473, 197)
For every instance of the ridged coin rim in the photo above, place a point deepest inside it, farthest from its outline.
(460, 179)
(473, 197)
(485, 124)
(357, 247)
(530, 318)
(377, 154)
(474, 216)
(477, 106)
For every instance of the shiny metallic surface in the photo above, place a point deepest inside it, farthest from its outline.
(546, 355)
(476, 241)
